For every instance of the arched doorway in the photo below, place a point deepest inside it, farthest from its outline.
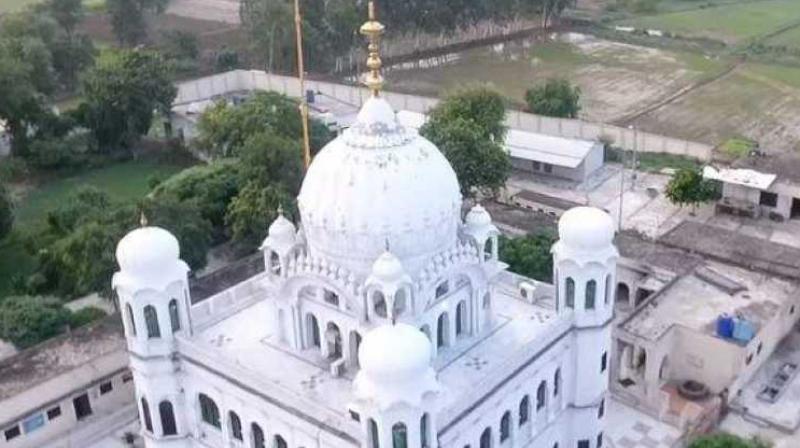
(312, 331)
(355, 342)
(334, 339)
(461, 318)
(442, 330)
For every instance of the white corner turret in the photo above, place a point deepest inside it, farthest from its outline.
(388, 289)
(153, 290)
(483, 234)
(396, 387)
(281, 240)
(585, 271)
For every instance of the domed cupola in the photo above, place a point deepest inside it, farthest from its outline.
(379, 182)
(149, 255)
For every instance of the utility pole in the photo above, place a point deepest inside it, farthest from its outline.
(635, 154)
(298, 26)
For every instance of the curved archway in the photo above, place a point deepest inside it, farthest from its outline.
(590, 294)
(167, 416)
(623, 294)
(235, 425)
(486, 438)
(442, 330)
(131, 319)
(148, 421)
(333, 337)
(570, 290)
(379, 304)
(461, 318)
(541, 395)
(174, 317)
(312, 331)
(151, 321)
(257, 436)
(209, 412)
(399, 435)
(505, 427)
(280, 442)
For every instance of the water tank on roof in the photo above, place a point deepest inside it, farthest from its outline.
(310, 96)
(725, 326)
(743, 330)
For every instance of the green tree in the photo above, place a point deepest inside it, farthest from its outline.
(184, 219)
(468, 128)
(223, 128)
(86, 204)
(723, 440)
(529, 255)
(6, 212)
(252, 211)
(267, 159)
(269, 25)
(128, 18)
(26, 320)
(687, 186)
(71, 51)
(555, 98)
(211, 187)
(85, 315)
(123, 92)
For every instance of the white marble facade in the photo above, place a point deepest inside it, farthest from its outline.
(383, 319)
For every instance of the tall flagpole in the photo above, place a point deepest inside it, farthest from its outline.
(298, 25)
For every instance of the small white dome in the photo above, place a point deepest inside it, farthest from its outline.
(147, 250)
(282, 235)
(395, 366)
(388, 268)
(586, 228)
(379, 181)
(478, 217)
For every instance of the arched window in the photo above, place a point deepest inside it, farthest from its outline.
(608, 289)
(148, 422)
(275, 263)
(209, 411)
(399, 435)
(167, 418)
(373, 434)
(591, 292)
(487, 301)
(258, 436)
(541, 395)
(505, 427)
(442, 330)
(236, 425)
(379, 304)
(280, 442)
(556, 382)
(461, 317)
(524, 410)
(399, 303)
(486, 438)
(151, 320)
(131, 320)
(424, 427)
(313, 330)
(174, 318)
(570, 293)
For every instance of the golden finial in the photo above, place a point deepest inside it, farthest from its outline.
(142, 219)
(373, 30)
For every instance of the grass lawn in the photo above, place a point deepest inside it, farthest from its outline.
(16, 5)
(729, 23)
(126, 181)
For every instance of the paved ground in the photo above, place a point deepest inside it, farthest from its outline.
(215, 10)
(627, 427)
(645, 209)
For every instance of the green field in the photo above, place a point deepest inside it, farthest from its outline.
(790, 38)
(16, 5)
(729, 23)
(127, 181)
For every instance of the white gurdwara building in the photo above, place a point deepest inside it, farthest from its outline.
(385, 320)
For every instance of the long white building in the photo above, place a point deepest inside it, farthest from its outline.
(383, 320)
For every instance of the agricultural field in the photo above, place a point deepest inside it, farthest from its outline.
(789, 38)
(760, 102)
(730, 23)
(615, 78)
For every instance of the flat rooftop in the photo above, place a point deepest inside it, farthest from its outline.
(467, 370)
(696, 299)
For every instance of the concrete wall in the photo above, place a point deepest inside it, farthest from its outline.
(210, 86)
(753, 196)
(58, 431)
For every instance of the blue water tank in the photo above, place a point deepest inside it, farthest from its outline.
(743, 330)
(725, 326)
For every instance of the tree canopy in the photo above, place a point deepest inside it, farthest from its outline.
(121, 94)
(555, 98)
(529, 255)
(723, 440)
(27, 320)
(687, 186)
(128, 18)
(468, 128)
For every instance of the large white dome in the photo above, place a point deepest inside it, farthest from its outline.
(149, 256)
(379, 183)
(586, 228)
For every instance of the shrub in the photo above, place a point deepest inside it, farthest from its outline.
(28, 320)
(84, 316)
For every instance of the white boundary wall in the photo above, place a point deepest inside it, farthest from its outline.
(246, 80)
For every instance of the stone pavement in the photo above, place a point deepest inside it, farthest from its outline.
(627, 427)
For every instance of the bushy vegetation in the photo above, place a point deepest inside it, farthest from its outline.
(27, 320)
(468, 127)
(723, 440)
(555, 98)
(687, 186)
(529, 255)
